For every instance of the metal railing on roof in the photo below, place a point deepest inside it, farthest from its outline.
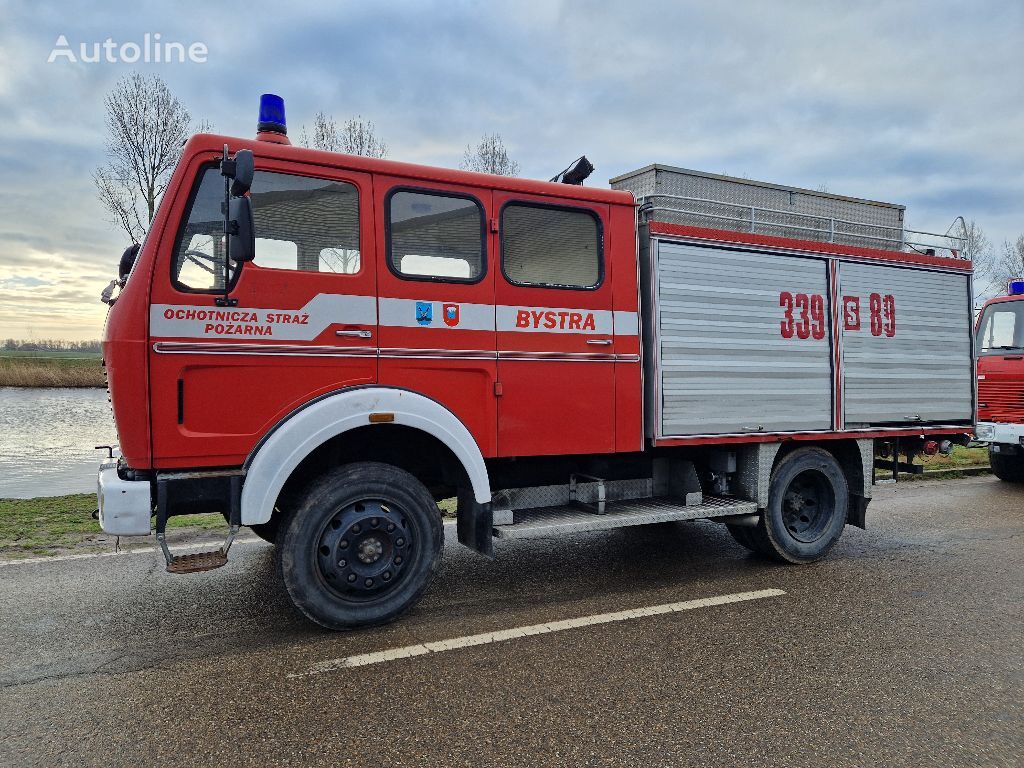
(758, 220)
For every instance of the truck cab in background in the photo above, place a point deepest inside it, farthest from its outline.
(1000, 368)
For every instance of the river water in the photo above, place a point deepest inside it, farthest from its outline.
(47, 437)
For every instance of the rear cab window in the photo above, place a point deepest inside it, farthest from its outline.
(551, 246)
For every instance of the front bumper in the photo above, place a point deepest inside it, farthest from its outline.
(125, 505)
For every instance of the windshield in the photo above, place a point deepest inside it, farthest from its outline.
(1001, 328)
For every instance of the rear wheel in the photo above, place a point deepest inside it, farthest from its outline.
(807, 504)
(1007, 467)
(361, 547)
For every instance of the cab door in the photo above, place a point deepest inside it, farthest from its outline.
(436, 300)
(556, 346)
(305, 322)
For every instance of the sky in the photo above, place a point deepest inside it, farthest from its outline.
(918, 103)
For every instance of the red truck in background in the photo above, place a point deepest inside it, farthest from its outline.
(322, 347)
(1000, 351)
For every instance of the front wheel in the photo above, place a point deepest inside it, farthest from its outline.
(361, 547)
(807, 505)
(1007, 467)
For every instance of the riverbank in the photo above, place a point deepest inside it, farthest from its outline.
(50, 369)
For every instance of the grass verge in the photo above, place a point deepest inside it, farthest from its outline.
(50, 370)
(55, 524)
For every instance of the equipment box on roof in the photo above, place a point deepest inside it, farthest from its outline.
(682, 196)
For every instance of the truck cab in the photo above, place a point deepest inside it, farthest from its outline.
(999, 347)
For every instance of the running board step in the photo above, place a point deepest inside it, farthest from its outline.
(196, 562)
(553, 521)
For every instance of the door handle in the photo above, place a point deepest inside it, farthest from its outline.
(602, 342)
(355, 334)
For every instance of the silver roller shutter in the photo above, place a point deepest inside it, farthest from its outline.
(921, 373)
(724, 366)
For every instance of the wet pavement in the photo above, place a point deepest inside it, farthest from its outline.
(904, 647)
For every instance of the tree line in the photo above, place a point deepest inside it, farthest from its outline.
(50, 345)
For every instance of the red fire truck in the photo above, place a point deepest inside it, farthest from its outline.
(322, 347)
(1000, 350)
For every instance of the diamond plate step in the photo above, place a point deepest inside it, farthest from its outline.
(196, 562)
(553, 521)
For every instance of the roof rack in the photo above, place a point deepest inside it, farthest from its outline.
(753, 219)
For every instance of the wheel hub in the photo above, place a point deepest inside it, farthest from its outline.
(807, 506)
(364, 548)
(370, 550)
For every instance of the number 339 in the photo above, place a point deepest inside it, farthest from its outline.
(803, 315)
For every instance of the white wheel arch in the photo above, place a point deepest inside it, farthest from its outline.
(309, 428)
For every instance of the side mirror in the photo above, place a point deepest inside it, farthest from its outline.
(241, 172)
(127, 261)
(242, 246)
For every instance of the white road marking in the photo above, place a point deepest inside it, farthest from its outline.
(534, 629)
(133, 551)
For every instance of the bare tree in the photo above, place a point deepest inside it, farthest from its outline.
(978, 248)
(146, 128)
(1010, 263)
(355, 136)
(489, 156)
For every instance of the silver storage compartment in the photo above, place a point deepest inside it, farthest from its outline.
(721, 364)
(694, 198)
(923, 371)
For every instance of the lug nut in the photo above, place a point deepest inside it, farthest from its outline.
(351, 577)
(357, 528)
(343, 543)
(368, 582)
(391, 527)
(398, 560)
(342, 563)
(400, 542)
(387, 576)
(374, 522)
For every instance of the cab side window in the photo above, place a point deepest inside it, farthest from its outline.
(435, 236)
(551, 247)
(302, 223)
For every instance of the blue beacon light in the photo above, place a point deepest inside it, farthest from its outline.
(272, 115)
(1015, 287)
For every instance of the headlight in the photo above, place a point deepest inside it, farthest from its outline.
(985, 431)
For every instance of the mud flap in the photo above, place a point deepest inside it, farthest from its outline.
(858, 511)
(475, 523)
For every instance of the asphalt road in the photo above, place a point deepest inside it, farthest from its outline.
(903, 648)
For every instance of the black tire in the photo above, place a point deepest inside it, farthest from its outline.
(268, 530)
(748, 536)
(1009, 468)
(808, 500)
(361, 547)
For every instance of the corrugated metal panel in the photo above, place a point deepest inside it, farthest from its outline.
(724, 365)
(923, 371)
(790, 207)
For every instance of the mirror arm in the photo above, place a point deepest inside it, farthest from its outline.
(227, 169)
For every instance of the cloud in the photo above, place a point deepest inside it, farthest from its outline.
(915, 103)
